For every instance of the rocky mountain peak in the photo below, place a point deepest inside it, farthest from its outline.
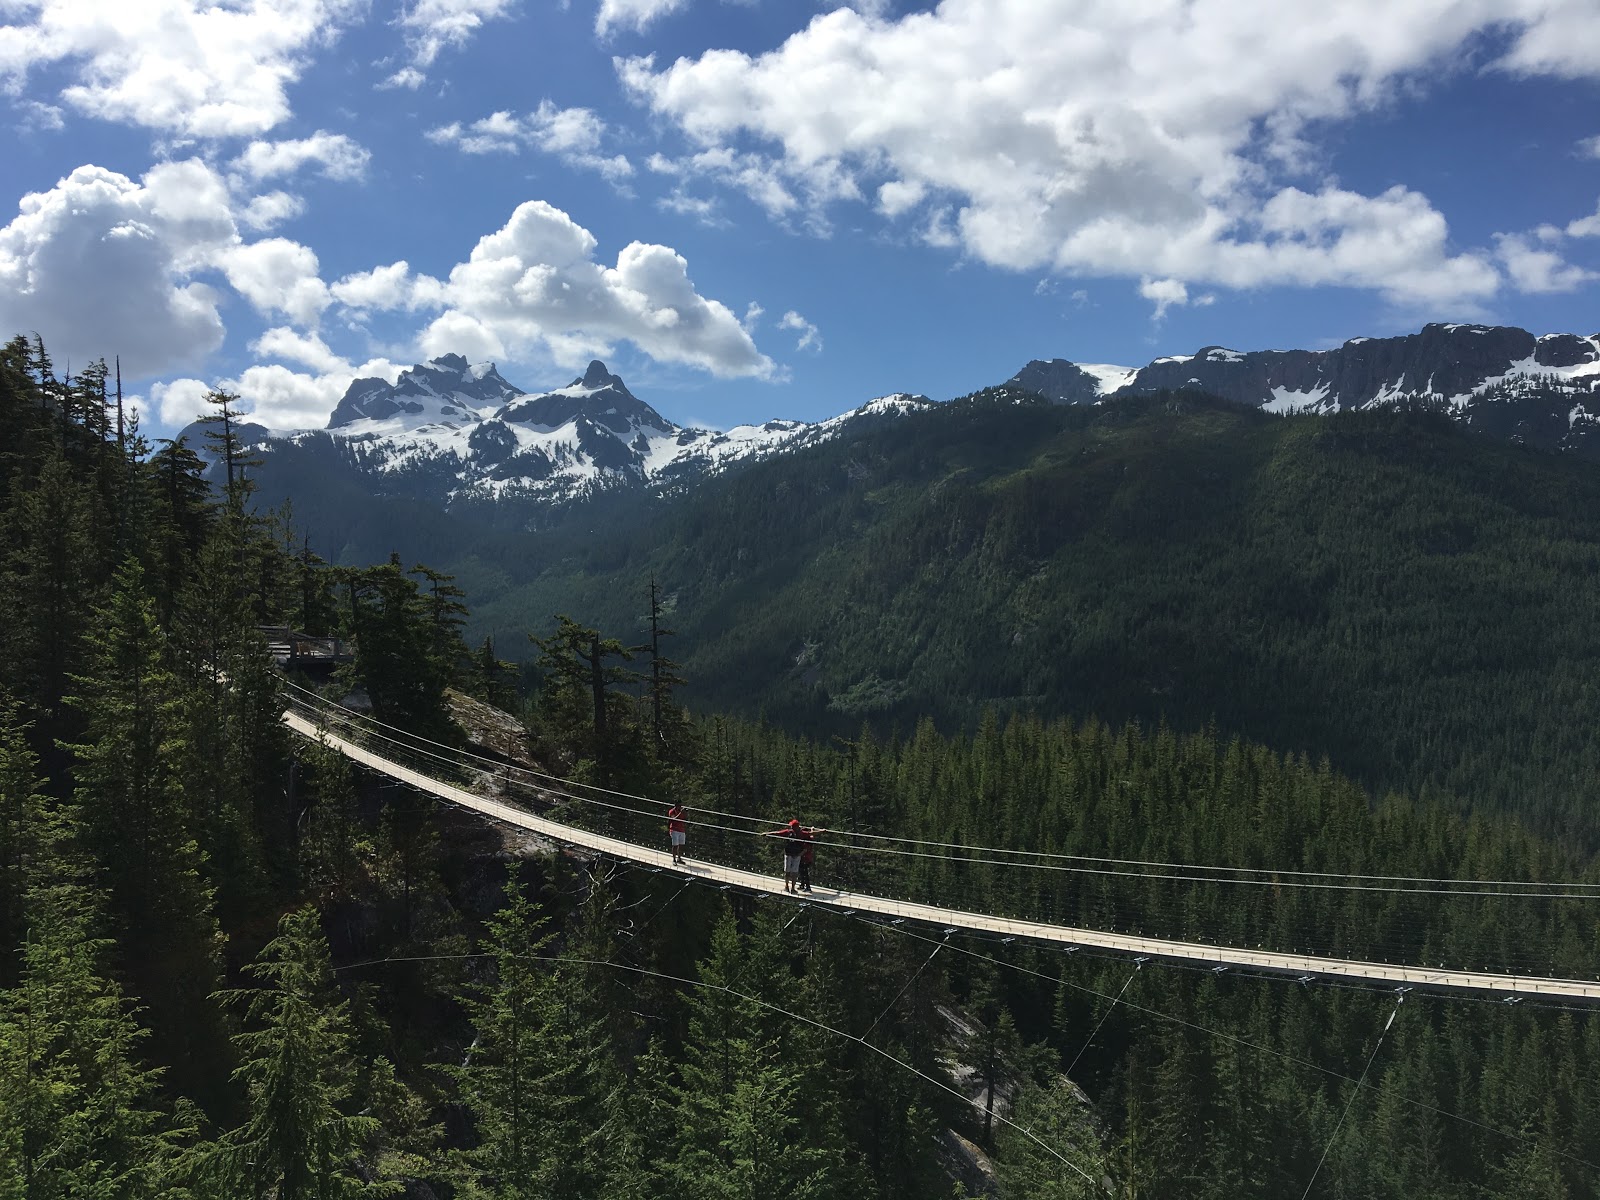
(598, 377)
(444, 389)
(597, 397)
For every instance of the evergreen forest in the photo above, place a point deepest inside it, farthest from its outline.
(1410, 598)
(233, 964)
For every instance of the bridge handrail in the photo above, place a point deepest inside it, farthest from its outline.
(1309, 966)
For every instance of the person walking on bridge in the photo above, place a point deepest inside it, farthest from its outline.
(677, 830)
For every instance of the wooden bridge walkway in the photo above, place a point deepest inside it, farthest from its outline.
(1306, 966)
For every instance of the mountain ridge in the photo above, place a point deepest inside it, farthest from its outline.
(449, 433)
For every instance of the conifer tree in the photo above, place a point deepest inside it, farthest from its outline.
(80, 1115)
(742, 1130)
(298, 1143)
(48, 582)
(528, 1082)
(1071, 1162)
(580, 704)
(398, 658)
(667, 726)
(130, 793)
(30, 834)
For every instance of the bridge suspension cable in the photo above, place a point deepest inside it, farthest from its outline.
(887, 844)
(1295, 963)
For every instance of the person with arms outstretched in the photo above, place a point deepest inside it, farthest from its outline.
(793, 850)
(677, 830)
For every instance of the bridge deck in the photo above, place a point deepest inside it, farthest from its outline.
(1398, 975)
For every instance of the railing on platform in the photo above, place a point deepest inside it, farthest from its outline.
(289, 647)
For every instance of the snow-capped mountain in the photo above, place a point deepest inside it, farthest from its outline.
(449, 433)
(460, 432)
(1500, 380)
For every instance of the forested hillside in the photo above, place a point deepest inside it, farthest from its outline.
(233, 965)
(1413, 601)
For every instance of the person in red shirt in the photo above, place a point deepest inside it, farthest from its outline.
(793, 849)
(797, 853)
(677, 830)
(808, 853)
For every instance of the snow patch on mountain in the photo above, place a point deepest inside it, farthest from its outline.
(466, 431)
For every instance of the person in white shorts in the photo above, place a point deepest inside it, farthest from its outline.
(677, 830)
(794, 845)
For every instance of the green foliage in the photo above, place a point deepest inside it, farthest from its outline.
(406, 652)
(991, 563)
(299, 1143)
(1382, 588)
(131, 794)
(81, 1118)
(742, 1127)
(1063, 1159)
(534, 1083)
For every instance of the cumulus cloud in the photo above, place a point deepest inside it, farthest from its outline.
(535, 283)
(334, 155)
(187, 67)
(572, 134)
(387, 288)
(103, 265)
(1590, 147)
(1152, 139)
(632, 15)
(809, 338)
(406, 77)
(1537, 270)
(180, 401)
(271, 209)
(308, 349)
(277, 276)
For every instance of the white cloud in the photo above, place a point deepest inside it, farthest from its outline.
(277, 276)
(809, 338)
(272, 394)
(1163, 293)
(633, 15)
(1538, 271)
(1590, 147)
(270, 210)
(308, 349)
(1158, 139)
(188, 67)
(102, 265)
(1586, 226)
(900, 195)
(37, 116)
(387, 288)
(335, 155)
(752, 316)
(574, 135)
(535, 284)
(1558, 37)
(406, 77)
(703, 209)
(432, 25)
(180, 401)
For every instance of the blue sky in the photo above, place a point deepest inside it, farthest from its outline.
(778, 207)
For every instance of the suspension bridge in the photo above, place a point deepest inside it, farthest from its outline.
(373, 746)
